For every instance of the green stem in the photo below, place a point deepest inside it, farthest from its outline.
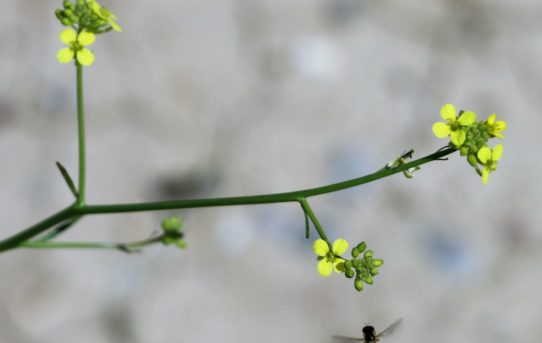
(308, 211)
(79, 210)
(81, 133)
(125, 247)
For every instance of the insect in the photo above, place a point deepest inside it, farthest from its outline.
(369, 335)
(396, 162)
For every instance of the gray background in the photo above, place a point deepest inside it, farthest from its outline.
(215, 98)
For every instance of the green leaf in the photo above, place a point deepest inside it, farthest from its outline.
(68, 179)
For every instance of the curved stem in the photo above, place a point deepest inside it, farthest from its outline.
(79, 210)
(81, 134)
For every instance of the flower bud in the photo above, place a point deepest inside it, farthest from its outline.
(349, 273)
(67, 4)
(368, 253)
(167, 240)
(473, 161)
(181, 243)
(368, 280)
(358, 284)
(59, 14)
(355, 252)
(361, 247)
(377, 262)
(172, 223)
(374, 271)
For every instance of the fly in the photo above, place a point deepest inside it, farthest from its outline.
(369, 334)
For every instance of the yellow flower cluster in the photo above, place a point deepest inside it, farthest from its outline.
(470, 137)
(86, 19)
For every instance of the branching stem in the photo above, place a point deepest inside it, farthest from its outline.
(80, 209)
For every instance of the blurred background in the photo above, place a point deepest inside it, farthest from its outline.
(236, 97)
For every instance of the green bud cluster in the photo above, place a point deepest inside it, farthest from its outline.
(362, 267)
(172, 232)
(80, 16)
(477, 137)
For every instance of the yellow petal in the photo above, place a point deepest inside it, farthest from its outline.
(64, 55)
(324, 267)
(85, 57)
(448, 112)
(340, 246)
(114, 25)
(86, 38)
(67, 36)
(491, 119)
(497, 152)
(485, 176)
(458, 137)
(500, 126)
(441, 130)
(320, 247)
(484, 154)
(96, 7)
(467, 118)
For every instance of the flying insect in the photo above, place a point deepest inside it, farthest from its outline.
(369, 334)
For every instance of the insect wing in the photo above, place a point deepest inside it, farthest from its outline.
(345, 339)
(390, 328)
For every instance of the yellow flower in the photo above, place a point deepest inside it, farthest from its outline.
(105, 13)
(495, 128)
(330, 260)
(488, 158)
(454, 126)
(76, 47)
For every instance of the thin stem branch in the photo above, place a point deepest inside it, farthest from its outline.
(124, 247)
(308, 211)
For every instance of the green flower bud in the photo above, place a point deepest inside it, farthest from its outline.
(167, 240)
(181, 243)
(68, 12)
(368, 280)
(377, 262)
(65, 21)
(349, 273)
(473, 160)
(361, 247)
(356, 263)
(463, 150)
(59, 14)
(368, 253)
(374, 271)
(348, 264)
(172, 223)
(358, 284)
(355, 252)
(67, 4)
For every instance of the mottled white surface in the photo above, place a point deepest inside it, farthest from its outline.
(217, 98)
